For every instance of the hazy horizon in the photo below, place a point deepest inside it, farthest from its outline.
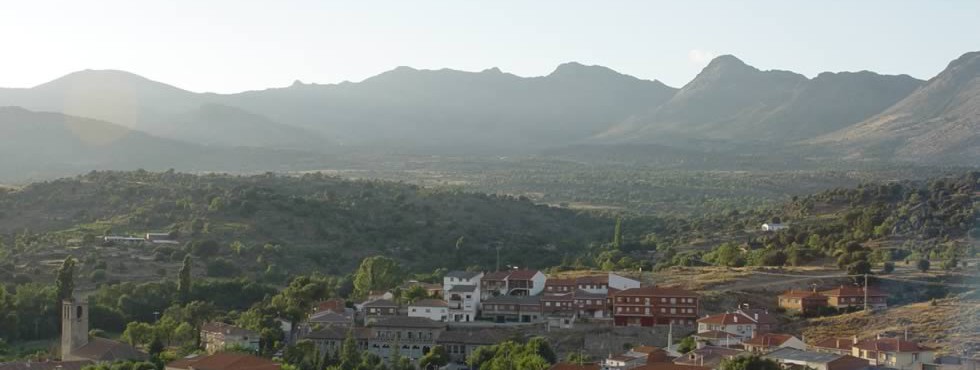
(230, 47)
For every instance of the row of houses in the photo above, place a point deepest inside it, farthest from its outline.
(790, 352)
(842, 297)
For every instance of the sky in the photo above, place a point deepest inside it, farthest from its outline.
(235, 45)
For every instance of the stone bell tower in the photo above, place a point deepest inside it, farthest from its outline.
(74, 326)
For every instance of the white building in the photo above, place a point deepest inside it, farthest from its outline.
(432, 309)
(461, 290)
(737, 324)
(513, 282)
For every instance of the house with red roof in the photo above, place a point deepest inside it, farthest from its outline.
(853, 296)
(805, 301)
(893, 352)
(841, 346)
(655, 305)
(735, 323)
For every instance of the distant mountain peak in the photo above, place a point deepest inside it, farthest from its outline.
(576, 69)
(492, 70)
(106, 77)
(728, 62)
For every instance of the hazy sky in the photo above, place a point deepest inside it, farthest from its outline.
(234, 45)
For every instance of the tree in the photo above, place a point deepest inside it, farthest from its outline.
(950, 263)
(541, 346)
(888, 267)
(414, 293)
(375, 273)
(686, 345)
(859, 268)
(618, 233)
(923, 265)
(66, 279)
(578, 358)
(350, 356)
(437, 357)
(184, 281)
(749, 363)
(138, 333)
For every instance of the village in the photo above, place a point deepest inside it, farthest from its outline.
(646, 327)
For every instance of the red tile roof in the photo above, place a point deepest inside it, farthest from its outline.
(522, 274)
(889, 345)
(768, 340)
(657, 291)
(727, 319)
(852, 291)
(225, 361)
(835, 343)
(760, 316)
(332, 304)
(557, 282)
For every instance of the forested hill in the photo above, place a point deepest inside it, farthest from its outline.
(324, 223)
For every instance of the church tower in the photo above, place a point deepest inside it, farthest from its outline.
(74, 326)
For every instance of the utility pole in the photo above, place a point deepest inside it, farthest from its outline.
(865, 292)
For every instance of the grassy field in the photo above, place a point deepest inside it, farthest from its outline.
(951, 325)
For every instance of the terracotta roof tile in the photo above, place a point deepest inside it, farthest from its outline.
(768, 340)
(835, 343)
(889, 345)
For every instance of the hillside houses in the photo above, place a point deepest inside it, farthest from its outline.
(655, 305)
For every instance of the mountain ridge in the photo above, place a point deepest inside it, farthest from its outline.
(732, 100)
(939, 122)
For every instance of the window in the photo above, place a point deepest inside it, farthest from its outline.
(673, 300)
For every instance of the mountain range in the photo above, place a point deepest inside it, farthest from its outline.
(730, 104)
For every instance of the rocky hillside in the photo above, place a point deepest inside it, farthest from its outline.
(938, 123)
